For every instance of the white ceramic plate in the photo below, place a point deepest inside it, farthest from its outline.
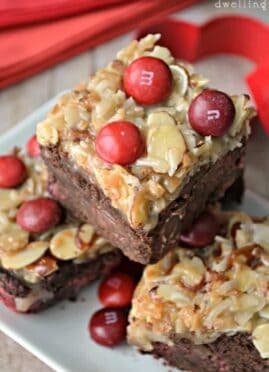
(59, 336)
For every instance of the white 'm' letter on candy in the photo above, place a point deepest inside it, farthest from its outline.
(146, 77)
(111, 317)
(213, 114)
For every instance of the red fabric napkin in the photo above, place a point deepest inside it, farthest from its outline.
(28, 49)
(16, 12)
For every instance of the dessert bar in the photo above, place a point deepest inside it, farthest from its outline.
(142, 147)
(206, 309)
(44, 255)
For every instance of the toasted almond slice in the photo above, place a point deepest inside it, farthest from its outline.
(190, 272)
(140, 209)
(161, 53)
(181, 79)
(32, 252)
(261, 235)
(241, 114)
(85, 237)
(261, 339)
(169, 293)
(236, 220)
(4, 222)
(264, 313)
(46, 133)
(155, 189)
(71, 114)
(43, 267)
(63, 244)
(160, 118)
(13, 238)
(165, 141)
(86, 233)
(9, 199)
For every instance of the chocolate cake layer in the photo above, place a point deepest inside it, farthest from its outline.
(65, 283)
(88, 203)
(227, 354)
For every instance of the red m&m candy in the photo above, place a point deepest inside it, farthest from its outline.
(117, 290)
(202, 232)
(211, 113)
(148, 80)
(39, 215)
(32, 147)
(12, 171)
(119, 142)
(108, 326)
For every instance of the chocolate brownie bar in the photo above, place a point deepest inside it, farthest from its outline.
(207, 309)
(140, 167)
(39, 269)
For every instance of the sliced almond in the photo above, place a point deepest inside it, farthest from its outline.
(13, 238)
(242, 112)
(63, 245)
(85, 237)
(264, 313)
(71, 114)
(190, 272)
(46, 133)
(261, 339)
(236, 220)
(8, 199)
(4, 222)
(43, 267)
(160, 118)
(140, 210)
(161, 53)
(248, 302)
(155, 189)
(246, 279)
(32, 252)
(181, 79)
(261, 234)
(170, 293)
(165, 141)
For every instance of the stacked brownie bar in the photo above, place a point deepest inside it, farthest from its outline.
(45, 257)
(141, 149)
(206, 309)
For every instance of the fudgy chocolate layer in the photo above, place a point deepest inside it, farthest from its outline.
(88, 203)
(65, 283)
(227, 354)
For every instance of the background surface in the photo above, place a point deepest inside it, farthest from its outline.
(224, 72)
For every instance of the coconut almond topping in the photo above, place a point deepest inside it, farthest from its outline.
(26, 254)
(31, 253)
(170, 138)
(201, 294)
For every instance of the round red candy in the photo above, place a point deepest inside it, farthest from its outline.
(39, 215)
(32, 147)
(117, 290)
(148, 80)
(211, 113)
(107, 327)
(119, 142)
(12, 171)
(202, 232)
